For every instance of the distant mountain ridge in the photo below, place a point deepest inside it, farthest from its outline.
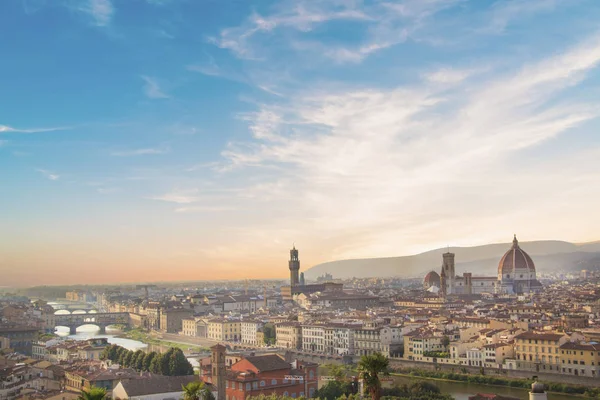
(548, 256)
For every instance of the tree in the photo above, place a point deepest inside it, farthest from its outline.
(138, 360)
(197, 391)
(369, 368)
(156, 364)
(127, 359)
(94, 393)
(179, 365)
(337, 371)
(445, 341)
(165, 362)
(147, 361)
(269, 333)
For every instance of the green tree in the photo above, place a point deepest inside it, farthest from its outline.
(269, 333)
(127, 359)
(165, 362)
(370, 368)
(156, 364)
(334, 389)
(93, 393)
(147, 361)
(179, 364)
(138, 360)
(445, 342)
(197, 391)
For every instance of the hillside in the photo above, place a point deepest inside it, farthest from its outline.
(548, 255)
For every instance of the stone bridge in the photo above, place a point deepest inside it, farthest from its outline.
(102, 320)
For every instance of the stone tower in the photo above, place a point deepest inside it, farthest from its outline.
(219, 373)
(302, 281)
(294, 267)
(448, 270)
(443, 284)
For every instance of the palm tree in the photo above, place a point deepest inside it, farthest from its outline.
(94, 393)
(197, 391)
(370, 367)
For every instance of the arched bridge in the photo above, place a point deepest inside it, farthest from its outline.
(102, 320)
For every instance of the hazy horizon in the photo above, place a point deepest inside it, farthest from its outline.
(172, 140)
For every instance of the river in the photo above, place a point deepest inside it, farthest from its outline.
(462, 390)
(91, 331)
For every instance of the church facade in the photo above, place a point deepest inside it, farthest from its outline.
(516, 275)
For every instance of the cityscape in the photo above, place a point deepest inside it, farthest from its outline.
(299, 199)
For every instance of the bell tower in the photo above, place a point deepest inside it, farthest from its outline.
(448, 269)
(218, 370)
(294, 267)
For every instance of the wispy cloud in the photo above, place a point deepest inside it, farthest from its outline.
(354, 160)
(101, 11)
(203, 209)
(298, 15)
(152, 88)
(10, 129)
(48, 174)
(179, 197)
(448, 75)
(139, 152)
(505, 12)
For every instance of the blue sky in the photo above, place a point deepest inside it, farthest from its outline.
(199, 139)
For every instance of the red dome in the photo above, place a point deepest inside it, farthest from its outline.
(515, 258)
(431, 279)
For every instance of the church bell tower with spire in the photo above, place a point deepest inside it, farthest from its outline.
(294, 267)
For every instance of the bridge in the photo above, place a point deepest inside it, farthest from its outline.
(102, 320)
(72, 306)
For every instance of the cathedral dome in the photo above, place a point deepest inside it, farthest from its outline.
(431, 279)
(516, 261)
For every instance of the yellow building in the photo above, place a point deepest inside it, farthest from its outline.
(539, 351)
(288, 335)
(580, 359)
(225, 330)
(420, 342)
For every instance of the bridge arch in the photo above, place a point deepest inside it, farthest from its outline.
(101, 320)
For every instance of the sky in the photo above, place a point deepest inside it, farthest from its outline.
(152, 140)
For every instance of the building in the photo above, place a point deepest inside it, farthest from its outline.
(539, 351)
(224, 330)
(313, 338)
(580, 359)
(516, 275)
(288, 335)
(21, 337)
(171, 319)
(297, 287)
(152, 388)
(339, 339)
(250, 330)
(294, 265)
(265, 375)
(367, 339)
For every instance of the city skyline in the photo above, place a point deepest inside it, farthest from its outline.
(172, 140)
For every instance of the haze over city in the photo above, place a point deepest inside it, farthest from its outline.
(164, 140)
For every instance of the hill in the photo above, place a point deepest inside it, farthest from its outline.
(548, 255)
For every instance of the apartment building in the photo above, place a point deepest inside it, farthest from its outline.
(249, 332)
(224, 329)
(288, 335)
(313, 338)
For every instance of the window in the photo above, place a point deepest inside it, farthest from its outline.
(286, 394)
(248, 386)
(262, 383)
(273, 381)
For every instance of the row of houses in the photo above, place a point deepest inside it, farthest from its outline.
(347, 338)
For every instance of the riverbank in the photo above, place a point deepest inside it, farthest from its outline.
(149, 339)
(553, 387)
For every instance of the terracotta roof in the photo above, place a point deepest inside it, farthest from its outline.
(541, 336)
(157, 384)
(268, 362)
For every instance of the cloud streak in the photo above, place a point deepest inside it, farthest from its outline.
(48, 174)
(10, 129)
(152, 89)
(139, 152)
(101, 11)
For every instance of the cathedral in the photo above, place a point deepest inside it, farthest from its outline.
(516, 275)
